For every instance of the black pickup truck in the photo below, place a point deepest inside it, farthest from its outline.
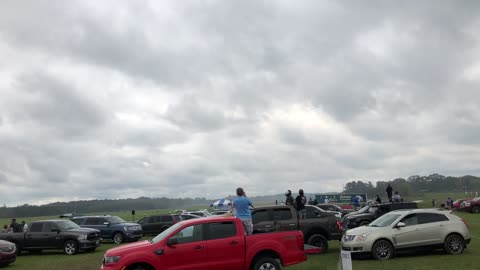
(371, 212)
(55, 234)
(318, 227)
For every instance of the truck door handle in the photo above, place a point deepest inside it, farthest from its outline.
(233, 242)
(268, 226)
(198, 247)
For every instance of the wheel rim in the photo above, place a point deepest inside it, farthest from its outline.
(476, 210)
(118, 238)
(455, 245)
(383, 250)
(70, 248)
(267, 266)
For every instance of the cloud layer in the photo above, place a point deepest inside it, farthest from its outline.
(121, 99)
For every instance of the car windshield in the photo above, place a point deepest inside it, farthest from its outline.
(67, 225)
(115, 220)
(164, 234)
(364, 209)
(385, 220)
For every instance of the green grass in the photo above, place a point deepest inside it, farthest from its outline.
(56, 260)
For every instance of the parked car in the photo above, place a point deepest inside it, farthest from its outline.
(408, 229)
(55, 234)
(188, 216)
(318, 228)
(111, 227)
(334, 207)
(459, 204)
(214, 243)
(371, 212)
(472, 206)
(198, 213)
(158, 223)
(219, 212)
(8, 253)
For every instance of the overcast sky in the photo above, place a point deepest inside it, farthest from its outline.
(122, 99)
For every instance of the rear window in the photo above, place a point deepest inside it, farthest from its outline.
(431, 217)
(260, 216)
(219, 230)
(282, 214)
(165, 218)
(36, 227)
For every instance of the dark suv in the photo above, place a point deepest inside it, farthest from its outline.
(371, 212)
(159, 223)
(112, 227)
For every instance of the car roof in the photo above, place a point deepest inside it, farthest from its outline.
(78, 217)
(423, 210)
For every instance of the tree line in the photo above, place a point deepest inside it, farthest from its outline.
(416, 184)
(99, 206)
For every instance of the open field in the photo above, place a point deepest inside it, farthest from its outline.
(55, 260)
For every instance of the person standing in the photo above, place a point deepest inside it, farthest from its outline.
(289, 198)
(300, 201)
(389, 192)
(242, 204)
(378, 200)
(14, 225)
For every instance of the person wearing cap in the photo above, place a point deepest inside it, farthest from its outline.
(242, 204)
(300, 201)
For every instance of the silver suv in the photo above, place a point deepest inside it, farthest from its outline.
(408, 229)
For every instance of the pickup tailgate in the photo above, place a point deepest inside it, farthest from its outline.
(288, 245)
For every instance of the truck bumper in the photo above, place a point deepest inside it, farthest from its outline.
(89, 244)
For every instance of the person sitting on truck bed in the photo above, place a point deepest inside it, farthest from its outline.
(242, 204)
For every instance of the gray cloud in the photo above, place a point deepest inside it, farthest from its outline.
(117, 99)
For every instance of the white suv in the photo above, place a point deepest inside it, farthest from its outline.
(408, 229)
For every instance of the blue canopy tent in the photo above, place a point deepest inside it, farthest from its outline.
(221, 204)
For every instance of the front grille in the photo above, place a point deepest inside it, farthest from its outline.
(8, 249)
(93, 236)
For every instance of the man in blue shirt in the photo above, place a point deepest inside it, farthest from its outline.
(242, 204)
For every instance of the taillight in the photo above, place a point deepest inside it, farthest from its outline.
(300, 241)
(340, 225)
(465, 222)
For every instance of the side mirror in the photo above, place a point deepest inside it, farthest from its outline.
(172, 241)
(400, 225)
(106, 223)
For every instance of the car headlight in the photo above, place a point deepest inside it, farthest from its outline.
(111, 259)
(362, 237)
(82, 237)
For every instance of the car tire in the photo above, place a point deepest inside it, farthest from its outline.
(266, 263)
(70, 247)
(118, 238)
(318, 240)
(475, 209)
(454, 244)
(382, 250)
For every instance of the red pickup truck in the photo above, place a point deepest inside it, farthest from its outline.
(213, 243)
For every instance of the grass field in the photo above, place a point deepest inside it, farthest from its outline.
(56, 260)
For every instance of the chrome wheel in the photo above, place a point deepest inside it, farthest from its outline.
(382, 250)
(454, 244)
(70, 247)
(266, 263)
(118, 238)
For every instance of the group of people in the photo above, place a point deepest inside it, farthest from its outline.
(298, 203)
(395, 198)
(241, 206)
(14, 226)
